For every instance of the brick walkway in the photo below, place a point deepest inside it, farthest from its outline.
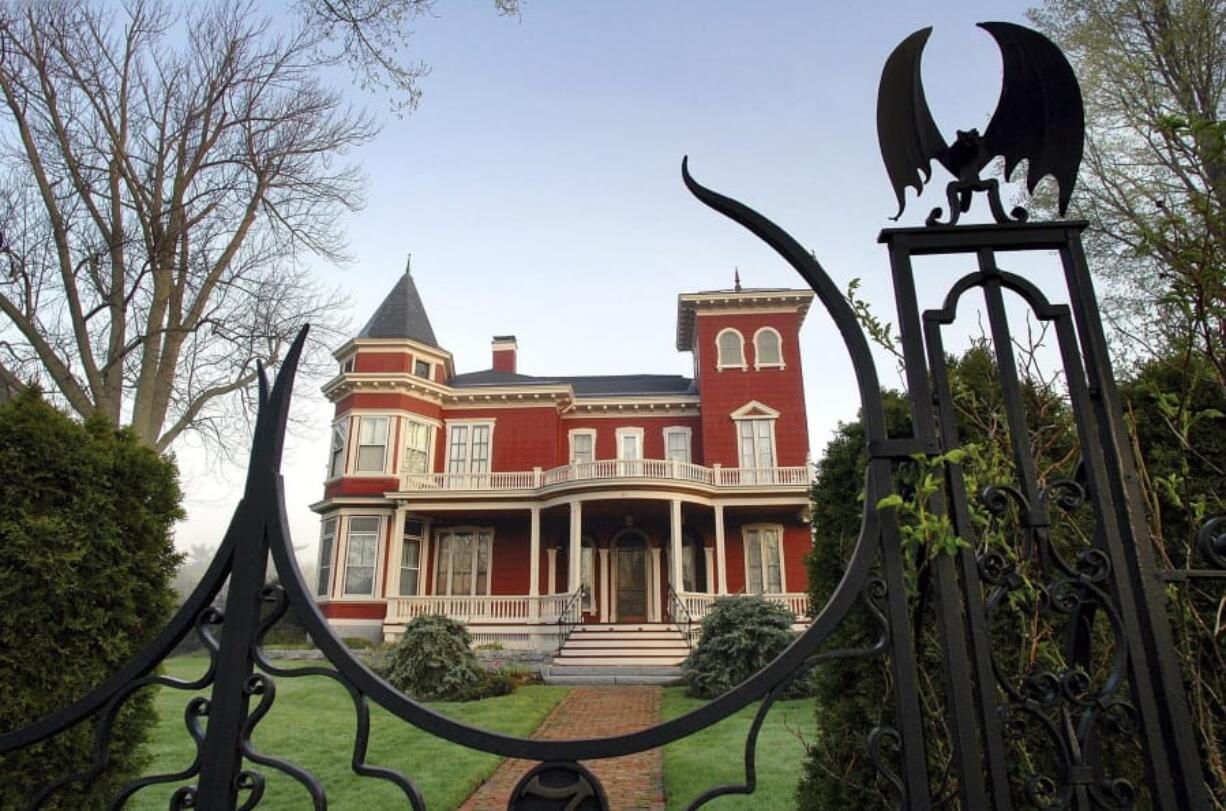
(632, 782)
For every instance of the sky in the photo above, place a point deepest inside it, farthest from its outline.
(538, 189)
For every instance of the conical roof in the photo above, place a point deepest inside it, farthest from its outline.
(401, 315)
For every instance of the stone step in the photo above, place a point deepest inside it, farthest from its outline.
(630, 643)
(616, 661)
(614, 677)
(611, 627)
(627, 635)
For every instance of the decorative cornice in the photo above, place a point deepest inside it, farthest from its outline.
(689, 305)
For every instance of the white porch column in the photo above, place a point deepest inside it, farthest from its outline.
(674, 550)
(552, 564)
(574, 554)
(654, 613)
(721, 557)
(604, 584)
(534, 563)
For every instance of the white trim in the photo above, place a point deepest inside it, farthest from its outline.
(342, 559)
(572, 433)
(471, 423)
(403, 516)
(757, 362)
(719, 354)
(689, 440)
(747, 411)
(626, 431)
(783, 569)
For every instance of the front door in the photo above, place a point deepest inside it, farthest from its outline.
(631, 584)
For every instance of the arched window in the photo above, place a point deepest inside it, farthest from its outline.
(731, 348)
(767, 348)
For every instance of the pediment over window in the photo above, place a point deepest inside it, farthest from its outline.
(753, 409)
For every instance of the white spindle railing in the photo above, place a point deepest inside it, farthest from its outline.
(478, 609)
(698, 604)
(609, 469)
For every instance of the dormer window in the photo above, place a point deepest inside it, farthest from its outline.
(731, 347)
(372, 445)
(421, 368)
(767, 349)
(347, 365)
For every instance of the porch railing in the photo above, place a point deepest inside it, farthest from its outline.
(479, 609)
(609, 470)
(698, 604)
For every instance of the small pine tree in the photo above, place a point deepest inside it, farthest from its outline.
(434, 660)
(740, 636)
(86, 565)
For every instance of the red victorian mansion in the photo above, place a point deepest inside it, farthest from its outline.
(522, 504)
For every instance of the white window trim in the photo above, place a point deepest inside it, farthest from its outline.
(326, 594)
(783, 569)
(342, 557)
(436, 541)
(625, 432)
(757, 363)
(490, 421)
(719, 356)
(402, 437)
(580, 432)
(689, 440)
(393, 576)
(753, 410)
(355, 441)
(345, 450)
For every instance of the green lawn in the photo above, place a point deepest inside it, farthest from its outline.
(715, 756)
(312, 724)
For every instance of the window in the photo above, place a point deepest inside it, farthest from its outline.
(693, 564)
(677, 444)
(767, 349)
(347, 365)
(763, 560)
(327, 539)
(582, 446)
(417, 437)
(421, 368)
(630, 451)
(336, 461)
(463, 562)
(757, 443)
(468, 449)
(372, 445)
(410, 557)
(731, 348)
(362, 548)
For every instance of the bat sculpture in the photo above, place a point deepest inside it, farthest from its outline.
(1039, 119)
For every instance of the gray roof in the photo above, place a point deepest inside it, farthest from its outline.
(585, 386)
(401, 315)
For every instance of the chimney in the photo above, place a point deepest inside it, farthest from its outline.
(504, 347)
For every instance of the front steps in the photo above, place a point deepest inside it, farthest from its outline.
(625, 653)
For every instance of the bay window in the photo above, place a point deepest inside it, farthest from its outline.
(372, 445)
(362, 545)
(327, 539)
(417, 437)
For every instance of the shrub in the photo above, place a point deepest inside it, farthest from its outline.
(86, 564)
(740, 635)
(434, 660)
(358, 643)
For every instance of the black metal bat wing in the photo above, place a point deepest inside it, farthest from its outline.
(1039, 118)
(908, 136)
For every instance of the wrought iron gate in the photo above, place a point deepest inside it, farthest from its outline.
(1107, 594)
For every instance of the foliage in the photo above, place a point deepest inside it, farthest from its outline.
(740, 636)
(434, 660)
(169, 173)
(1153, 181)
(86, 564)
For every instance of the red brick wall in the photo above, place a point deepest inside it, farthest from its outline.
(653, 435)
(389, 402)
(382, 362)
(725, 391)
(355, 611)
(523, 437)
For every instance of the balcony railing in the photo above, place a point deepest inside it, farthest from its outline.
(610, 470)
